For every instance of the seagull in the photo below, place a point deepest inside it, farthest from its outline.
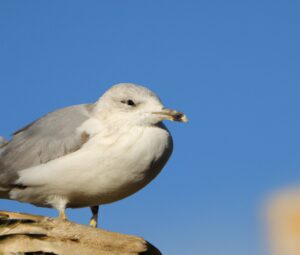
(89, 154)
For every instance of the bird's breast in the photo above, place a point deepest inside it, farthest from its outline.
(129, 161)
(108, 168)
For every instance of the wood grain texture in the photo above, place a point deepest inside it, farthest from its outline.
(36, 235)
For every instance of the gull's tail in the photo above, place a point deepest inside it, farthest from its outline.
(2, 141)
(3, 190)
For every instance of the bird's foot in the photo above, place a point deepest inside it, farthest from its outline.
(62, 216)
(93, 223)
(94, 220)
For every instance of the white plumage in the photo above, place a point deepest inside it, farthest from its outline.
(89, 155)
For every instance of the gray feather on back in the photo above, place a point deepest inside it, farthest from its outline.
(48, 138)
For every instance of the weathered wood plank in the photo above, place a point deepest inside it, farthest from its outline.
(24, 233)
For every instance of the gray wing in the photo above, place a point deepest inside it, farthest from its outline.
(48, 138)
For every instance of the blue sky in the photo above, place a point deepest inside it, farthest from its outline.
(231, 66)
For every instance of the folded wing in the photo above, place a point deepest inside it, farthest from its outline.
(48, 138)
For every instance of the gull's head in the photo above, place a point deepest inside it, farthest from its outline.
(130, 103)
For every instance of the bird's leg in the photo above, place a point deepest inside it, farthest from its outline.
(59, 203)
(94, 220)
(62, 215)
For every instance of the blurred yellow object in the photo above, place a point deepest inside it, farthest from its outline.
(283, 222)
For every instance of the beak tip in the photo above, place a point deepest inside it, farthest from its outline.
(179, 116)
(184, 119)
(172, 115)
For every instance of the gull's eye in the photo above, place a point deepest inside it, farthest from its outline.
(128, 102)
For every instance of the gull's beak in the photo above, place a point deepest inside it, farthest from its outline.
(167, 114)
